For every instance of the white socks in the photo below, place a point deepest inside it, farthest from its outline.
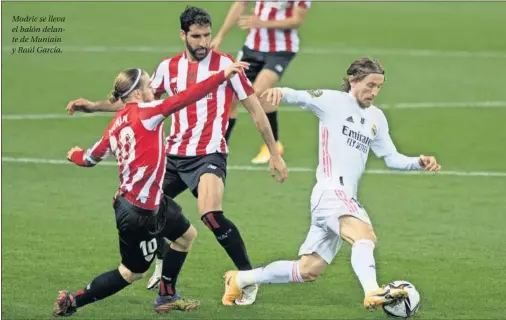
(362, 261)
(276, 272)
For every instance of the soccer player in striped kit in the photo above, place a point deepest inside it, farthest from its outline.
(143, 213)
(271, 44)
(196, 148)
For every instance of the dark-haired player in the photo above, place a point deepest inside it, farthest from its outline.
(143, 212)
(196, 147)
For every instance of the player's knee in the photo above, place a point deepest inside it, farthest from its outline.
(210, 193)
(311, 267)
(185, 242)
(309, 274)
(128, 275)
(353, 229)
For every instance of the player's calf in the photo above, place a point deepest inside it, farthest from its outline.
(311, 267)
(179, 230)
(210, 195)
(168, 299)
(307, 269)
(101, 287)
(360, 235)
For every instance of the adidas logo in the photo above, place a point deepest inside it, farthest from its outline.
(350, 119)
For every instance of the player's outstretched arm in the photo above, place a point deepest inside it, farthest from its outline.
(194, 93)
(86, 106)
(384, 147)
(89, 158)
(235, 11)
(307, 99)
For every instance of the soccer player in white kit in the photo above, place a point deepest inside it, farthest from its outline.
(349, 126)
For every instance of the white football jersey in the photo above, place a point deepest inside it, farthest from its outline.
(347, 132)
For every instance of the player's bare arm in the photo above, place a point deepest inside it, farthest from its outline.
(235, 11)
(252, 104)
(294, 22)
(87, 106)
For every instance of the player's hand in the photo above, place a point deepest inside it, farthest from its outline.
(215, 43)
(273, 95)
(80, 104)
(429, 163)
(276, 163)
(71, 151)
(235, 68)
(249, 22)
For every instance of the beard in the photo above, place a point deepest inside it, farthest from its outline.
(364, 104)
(199, 53)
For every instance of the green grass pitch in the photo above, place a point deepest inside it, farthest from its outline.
(445, 233)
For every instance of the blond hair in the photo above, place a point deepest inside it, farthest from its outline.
(125, 83)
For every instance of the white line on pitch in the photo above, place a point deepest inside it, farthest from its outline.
(264, 168)
(402, 105)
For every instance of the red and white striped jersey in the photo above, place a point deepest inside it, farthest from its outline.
(200, 128)
(275, 40)
(136, 138)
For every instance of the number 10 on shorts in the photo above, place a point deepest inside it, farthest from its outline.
(148, 248)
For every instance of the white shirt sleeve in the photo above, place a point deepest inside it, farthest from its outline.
(159, 76)
(383, 147)
(313, 100)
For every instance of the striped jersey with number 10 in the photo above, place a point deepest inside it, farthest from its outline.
(135, 136)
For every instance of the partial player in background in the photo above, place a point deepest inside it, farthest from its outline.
(271, 44)
(349, 126)
(196, 148)
(135, 138)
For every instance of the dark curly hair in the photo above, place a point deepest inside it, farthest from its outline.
(194, 15)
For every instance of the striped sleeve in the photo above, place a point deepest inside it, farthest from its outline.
(240, 83)
(153, 113)
(160, 75)
(98, 152)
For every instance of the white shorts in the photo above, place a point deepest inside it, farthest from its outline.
(326, 207)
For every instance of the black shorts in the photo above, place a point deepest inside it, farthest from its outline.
(275, 61)
(184, 172)
(137, 230)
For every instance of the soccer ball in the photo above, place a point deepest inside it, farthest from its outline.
(407, 307)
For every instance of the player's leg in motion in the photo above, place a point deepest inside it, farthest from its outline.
(330, 224)
(101, 287)
(172, 186)
(272, 72)
(308, 268)
(163, 248)
(267, 79)
(316, 253)
(210, 195)
(182, 234)
(137, 248)
(360, 235)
